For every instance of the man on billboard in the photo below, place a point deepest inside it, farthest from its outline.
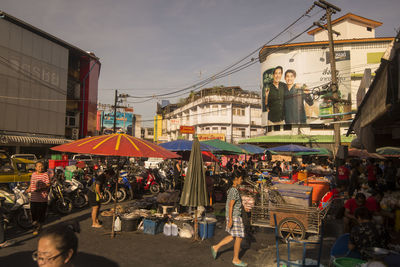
(274, 97)
(295, 97)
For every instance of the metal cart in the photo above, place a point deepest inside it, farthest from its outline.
(294, 221)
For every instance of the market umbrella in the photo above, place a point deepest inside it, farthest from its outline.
(194, 191)
(389, 151)
(321, 152)
(253, 149)
(117, 144)
(363, 154)
(186, 145)
(292, 148)
(209, 157)
(226, 148)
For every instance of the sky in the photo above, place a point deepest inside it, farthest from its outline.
(149, 47)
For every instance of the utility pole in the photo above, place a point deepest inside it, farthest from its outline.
(331, 9)
(115, 111)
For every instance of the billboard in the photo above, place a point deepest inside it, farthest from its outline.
(295, 86)
(124, 121)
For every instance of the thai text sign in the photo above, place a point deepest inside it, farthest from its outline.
(205, 137)
(187, 129)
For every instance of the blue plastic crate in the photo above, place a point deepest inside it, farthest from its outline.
(152, 227)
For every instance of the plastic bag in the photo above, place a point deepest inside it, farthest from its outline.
(186, 231)
(117, 225)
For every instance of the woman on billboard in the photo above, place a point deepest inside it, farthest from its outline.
(274, 96)
(294, 100)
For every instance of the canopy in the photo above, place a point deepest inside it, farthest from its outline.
(389, 151)
(363, 154)
(321, 152)
(253, 149)
(194, 191)
(185, 145)
(225, 148)
(292, 148)
(116, 145)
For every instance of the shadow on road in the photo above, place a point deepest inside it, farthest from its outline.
(24, 258)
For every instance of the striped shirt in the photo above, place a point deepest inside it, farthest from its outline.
(39, 180)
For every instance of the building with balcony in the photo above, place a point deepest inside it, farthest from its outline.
(48, 89)
(358, 54)
(227, 113)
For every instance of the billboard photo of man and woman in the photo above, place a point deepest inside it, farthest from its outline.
(291, 86)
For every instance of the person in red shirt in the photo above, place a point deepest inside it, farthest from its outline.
(39, 188)
(371, 171)
(343, 176)
(350, 207)
(373, 203)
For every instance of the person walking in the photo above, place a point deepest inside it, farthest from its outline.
(39, 188)
(234, 221)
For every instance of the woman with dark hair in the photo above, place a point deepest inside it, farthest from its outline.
(294, 100)
(234, 221)
(95, 195)
(39, 188)
(57, 246)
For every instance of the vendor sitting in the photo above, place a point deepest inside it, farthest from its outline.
(365, 235)
(350, 207)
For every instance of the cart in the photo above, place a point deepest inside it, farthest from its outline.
(294, 221)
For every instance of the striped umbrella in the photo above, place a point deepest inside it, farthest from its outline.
(116, 145)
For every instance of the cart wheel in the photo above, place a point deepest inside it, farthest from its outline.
(291, 228)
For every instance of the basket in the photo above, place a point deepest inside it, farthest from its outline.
(347, 262)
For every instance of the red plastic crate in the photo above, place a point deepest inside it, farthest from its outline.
(55, 163)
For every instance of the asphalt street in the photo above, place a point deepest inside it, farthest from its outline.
(96, 248)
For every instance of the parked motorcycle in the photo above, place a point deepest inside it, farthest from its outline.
(16, 208)
(147, 182)
(59, 200)
(76, 192)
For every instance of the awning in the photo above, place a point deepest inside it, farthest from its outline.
(299, 139)
(5, 139)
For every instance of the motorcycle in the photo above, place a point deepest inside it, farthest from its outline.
(59, 200)
(147, 182)
(75, 190)
(16, 207)
(165, 180)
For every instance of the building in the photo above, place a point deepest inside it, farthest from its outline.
(308, 110)
(377, 122)
(227, 113)
(48, 88)
(147, 133)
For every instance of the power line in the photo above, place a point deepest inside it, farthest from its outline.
(221, 73)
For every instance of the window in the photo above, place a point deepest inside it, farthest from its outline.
(215, 128)
(207, 128)
(277, 128)
(369, 29)
(223, 128)
(243, 133)
(269, 128)
(214, 110)
(287, 127)
(239, 112)
(223, 110)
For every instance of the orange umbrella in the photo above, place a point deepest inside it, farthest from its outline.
(116, 145)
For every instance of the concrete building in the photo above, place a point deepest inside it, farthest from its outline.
(356, 50)
(48, 88)
(227, 113)
(147, 133)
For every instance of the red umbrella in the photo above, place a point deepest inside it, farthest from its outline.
(116, 145)
(209, 157)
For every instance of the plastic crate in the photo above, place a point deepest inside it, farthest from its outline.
(56, 157)
(55, 163)
(152, 227)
